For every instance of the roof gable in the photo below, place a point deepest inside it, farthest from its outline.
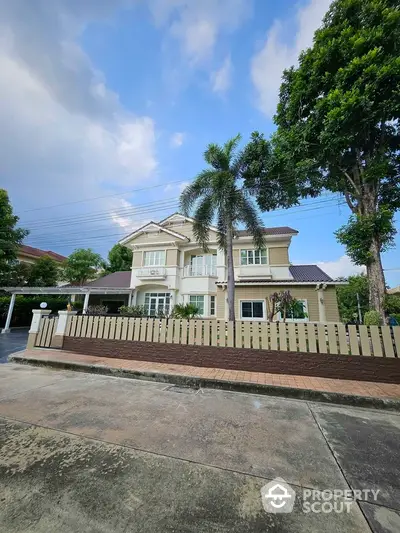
(153, 227)
(24, 249)
(178, 217)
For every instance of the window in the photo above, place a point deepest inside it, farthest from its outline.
(297, 313)
(155, 258)
(252, 309)
(157, 302)
(212, 305)
(198, 301)
(253, 257)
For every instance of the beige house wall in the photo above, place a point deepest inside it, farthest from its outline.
(187, 230)
(308, 293)
(172, 257)
(279, 256)
(154, 238)
(137, 259)
(331, 305)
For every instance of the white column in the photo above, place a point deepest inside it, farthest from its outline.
(86, 302)
(62, 321)
(130, 298)
(321, 305)
(37, 315)
(6, 328)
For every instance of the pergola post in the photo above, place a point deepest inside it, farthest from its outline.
(86, 303)
(6, 328)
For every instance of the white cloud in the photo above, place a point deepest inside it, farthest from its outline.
(64, 135)
(342, 267)
(177, 139)
(221, 78)
(197, 25)
(268, 64)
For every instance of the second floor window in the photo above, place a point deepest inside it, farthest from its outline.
(154, 258)
(253, 257)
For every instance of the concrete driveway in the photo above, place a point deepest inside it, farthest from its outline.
(90, 453)
(11, 342)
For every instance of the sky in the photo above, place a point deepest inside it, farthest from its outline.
(107, 107)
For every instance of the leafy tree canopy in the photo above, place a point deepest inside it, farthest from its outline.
(11, 239)
(45, 272)
(338, 125)
(119, 258)
(82, 266)
(347, 298)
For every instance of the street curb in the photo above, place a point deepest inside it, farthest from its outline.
(235, 386)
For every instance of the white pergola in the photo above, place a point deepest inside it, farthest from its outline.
(68, 291)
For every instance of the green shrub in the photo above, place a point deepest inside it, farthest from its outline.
(22, 314)
(185, 311)
(137, 311)
(372, 318)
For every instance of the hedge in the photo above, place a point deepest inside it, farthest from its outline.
(22, 314)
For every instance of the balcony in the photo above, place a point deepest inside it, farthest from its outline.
(155, 272)
(200, 271)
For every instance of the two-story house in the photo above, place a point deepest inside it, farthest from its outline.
(169, 267)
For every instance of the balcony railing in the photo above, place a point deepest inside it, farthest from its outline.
(201, 270)
(155, 272)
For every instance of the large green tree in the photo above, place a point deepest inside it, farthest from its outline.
(82, 266)
(119, 258)
(348, 296)
(11, 238)
(338, 127)
(217, 194)
(45, 272)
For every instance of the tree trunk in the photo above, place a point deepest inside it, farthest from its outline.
(231, 274)
(376, 280)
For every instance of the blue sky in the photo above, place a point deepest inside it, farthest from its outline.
(98, 99)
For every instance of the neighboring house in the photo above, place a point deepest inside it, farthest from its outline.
(28, 254)
(395, 290)
(169, 267)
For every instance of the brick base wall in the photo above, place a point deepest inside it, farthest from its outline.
(377, 369)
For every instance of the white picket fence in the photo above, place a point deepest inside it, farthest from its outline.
(303, 337)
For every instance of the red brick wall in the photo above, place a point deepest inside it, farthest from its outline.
(304, 364)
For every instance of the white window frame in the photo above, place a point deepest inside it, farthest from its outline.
(196, 304)
(212, 296)
(253, 251)
(246, 300)
(306, 319)
(156, 258)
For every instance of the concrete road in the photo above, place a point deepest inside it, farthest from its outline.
(90, 453)
(13, 341)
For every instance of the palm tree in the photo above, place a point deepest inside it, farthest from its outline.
(217, 194)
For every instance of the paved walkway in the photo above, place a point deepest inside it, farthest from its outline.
(359, 388)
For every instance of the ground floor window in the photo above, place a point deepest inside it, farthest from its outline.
(297, 313)
(198, 301)
(212, 305)
(157, 302)
(252, 309)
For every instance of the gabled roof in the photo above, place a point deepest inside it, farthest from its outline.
(164, 220)
(308, 273)
(141, 230)
(37, 252)
(280, 230)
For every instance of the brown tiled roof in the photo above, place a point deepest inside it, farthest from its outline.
(121, 279)
(308, 273)
(37, 252)
(280, 230)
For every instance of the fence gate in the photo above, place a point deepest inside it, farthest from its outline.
(47, 328)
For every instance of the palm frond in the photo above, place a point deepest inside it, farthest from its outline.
(201, 185)
(216, 157)
(231, 145)
(203, 216)
(247, 213)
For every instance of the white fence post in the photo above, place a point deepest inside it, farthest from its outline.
(37, 315)
(58, 338)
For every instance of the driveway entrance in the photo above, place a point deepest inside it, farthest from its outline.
(11, 342)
